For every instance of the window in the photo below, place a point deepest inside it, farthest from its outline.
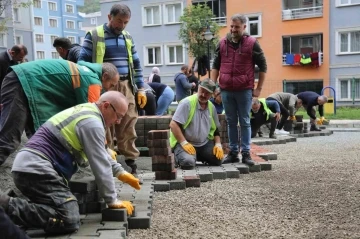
(302, 44)
(18, 40)
(151, 15)
(173, 12)
(153, 55)
(296, 87)
(52, 39)
(348, 42)
(72, 39)
(79, 25)
(69, 8)
(40, 55)
(52, 6)
(37, 3)
(254, 25)
(93, 21)
(54, 55)
(53, 22)
(349, 88)
(218, 8)
(38, 21)
(70, 24)
(16, 15)
(347, 2)
(39, 38)
(2, 40)
(174, 54)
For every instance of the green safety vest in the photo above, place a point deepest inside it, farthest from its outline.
(63, 125)
(193, 99)
(98, 40)
(266, 108)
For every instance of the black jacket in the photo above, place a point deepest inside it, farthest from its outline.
(74, 53)
(5, 62)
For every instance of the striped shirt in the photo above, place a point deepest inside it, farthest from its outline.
(115, 53)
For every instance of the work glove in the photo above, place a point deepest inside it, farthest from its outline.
(188, 147)
(218, 151)
(112, 153)
(321, 121)
(141, 97)
(122, 204)
(129, 179)
(293, 118)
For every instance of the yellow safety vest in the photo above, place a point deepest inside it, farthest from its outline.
(193, 99)
(266, 108)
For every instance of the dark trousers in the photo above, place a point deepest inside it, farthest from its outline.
(15, 116)
(258, 120)
(150, 107)
(49, 198)
(284, 114)
(8, 229)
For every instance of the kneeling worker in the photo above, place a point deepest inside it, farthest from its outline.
(194, 129)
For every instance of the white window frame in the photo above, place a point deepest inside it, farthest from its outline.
(73, 8)
(21, 39)
(338, 90)
(167, 53)
(338, 40)
(39, 35)
(55, 52)
(146, 57)
(37, 52)
(18, 15)
(79, 24)
(72, 22)
(259, 21)
(52, 3)
(339, 4)
(144, 17)
(166, 20)
(51, 40)
(68, 37)
(5, 39)
(56, 20)
(93, 21)
(42, 21)
(39, 1)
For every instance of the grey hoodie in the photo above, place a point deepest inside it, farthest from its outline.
(182, 86)
(288, 100)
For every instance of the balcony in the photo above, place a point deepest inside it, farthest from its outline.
(300, 9)
(321, 60)
(221, 21)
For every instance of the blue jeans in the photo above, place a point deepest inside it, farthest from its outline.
(164, 101)
(237, 105)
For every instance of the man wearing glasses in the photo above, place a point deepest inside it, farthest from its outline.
(217, 101)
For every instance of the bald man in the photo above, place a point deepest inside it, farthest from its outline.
(70, 139)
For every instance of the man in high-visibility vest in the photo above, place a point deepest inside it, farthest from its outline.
(42, 169)
(111, 43)
(35, 91)
(194, 128)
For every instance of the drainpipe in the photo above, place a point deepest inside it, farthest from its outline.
(13, 22)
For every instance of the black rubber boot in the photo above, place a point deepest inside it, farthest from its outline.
(314, 128)
(131, 163)
(246, 159)
(272, 136)
(231, 158)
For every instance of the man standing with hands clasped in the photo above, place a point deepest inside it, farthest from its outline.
(234, 64)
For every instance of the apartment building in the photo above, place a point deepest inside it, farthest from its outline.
(90, 20)
(52, 19)
(345, 50)
(19, 28)
(154, 26)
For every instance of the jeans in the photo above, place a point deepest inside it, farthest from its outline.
(164, 101)
(259, 120)
(203, 153)
(237, 105)
(50, 198)
(284, 114)
(15, 116)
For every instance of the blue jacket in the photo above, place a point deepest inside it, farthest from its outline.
(182, 86)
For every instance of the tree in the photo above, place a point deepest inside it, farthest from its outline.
(90, 6)
(194, 23)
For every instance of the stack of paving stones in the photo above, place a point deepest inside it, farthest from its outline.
(223, 133)
(147, 123)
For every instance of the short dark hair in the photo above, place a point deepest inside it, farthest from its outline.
(17, 49)
(184, 67)
(121, 9)
(62, 42)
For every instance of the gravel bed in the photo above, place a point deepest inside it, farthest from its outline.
(313, 191)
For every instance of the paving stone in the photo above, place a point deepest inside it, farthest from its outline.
(161, 186)
(83, 185)
(159, 134)
(163, 159)
(272, 156)
(115, 226)
(265, 166)
(192, 181)
(141, 221)
(232, 173)
(192, 172)
(163, 126)
(95, 207)
(255, 168)
(163, 175)
(243, 168)
(88, 229)
(177, 184)
(263, 156)
(218, 172)
(150, 126)
(160, 151)
(91, 217)
(205, 174)
(118, 215)
(163, 167)
(112, 234)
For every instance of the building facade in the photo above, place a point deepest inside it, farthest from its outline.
(345, 51)
(90, 20)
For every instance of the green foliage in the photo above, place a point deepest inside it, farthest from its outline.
(194, 23)
(90, 6)
(4, 4)
(350, 113)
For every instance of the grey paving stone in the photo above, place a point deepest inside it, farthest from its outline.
(192, 181)
(177, 184)
(206, 176)
(112, 234)
(141, 221)
(116, 226)
(91, 217)
(88, 229)
(189, 172)
(218, 172)
(118, 215)
(160, 186)
(83, 185)
(255, 168)
(243, 168)
(272, 155)
(263, 156)
(231, 171)
(265, 166)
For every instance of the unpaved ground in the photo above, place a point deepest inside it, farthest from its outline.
(312, 192)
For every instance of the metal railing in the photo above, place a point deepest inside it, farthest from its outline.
(220, 20)
(321, 60)
(299, 13)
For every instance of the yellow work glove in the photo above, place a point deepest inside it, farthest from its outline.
(319, 121)
(293, 118)
(129, 179)
(218, 151)
(112, 153)
(188, 147)
(122, 204)
(141, 97)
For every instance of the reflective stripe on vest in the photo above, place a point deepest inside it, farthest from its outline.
(193, 99)
(266, 108)
(63, 126)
